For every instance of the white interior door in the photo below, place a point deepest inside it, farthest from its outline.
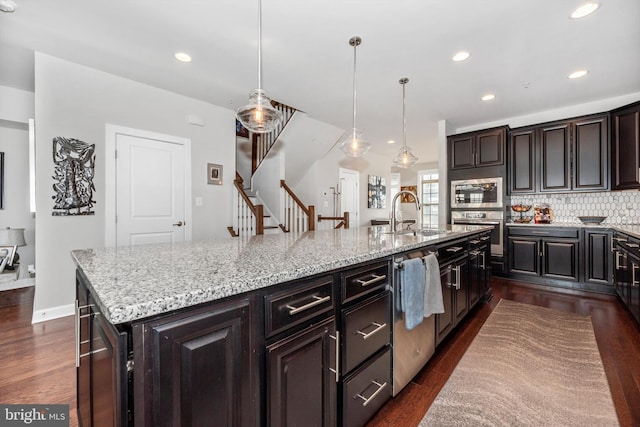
(152, 188)
(349, 195)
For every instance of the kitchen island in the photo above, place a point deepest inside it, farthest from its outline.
(223, 332)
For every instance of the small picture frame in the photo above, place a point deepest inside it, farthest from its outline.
(8, 253)
(214, 174)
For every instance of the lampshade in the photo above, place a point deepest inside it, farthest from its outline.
(352, 142)
(405, 158)
(12, 237)
(259, 116)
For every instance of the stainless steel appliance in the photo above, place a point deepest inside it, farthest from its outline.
(495, 218)
(477, 193)
(411, 349)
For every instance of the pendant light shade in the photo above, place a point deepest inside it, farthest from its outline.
(405, 158)
(352, 142)
(259, 116)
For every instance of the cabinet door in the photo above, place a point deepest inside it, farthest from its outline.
(554, 157)
(522, 164)
(461, 152)
(560, 259)
(590, 154)
(597, 268)
(445, 321)
(634, 288)
(524, 256)
(461, 289)
(489, 148)
(625, 148)
(196, 368)
(474, 277)
(620, 274)
(301, 378)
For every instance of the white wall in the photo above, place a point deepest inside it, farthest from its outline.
(14, 142)
(77, 101)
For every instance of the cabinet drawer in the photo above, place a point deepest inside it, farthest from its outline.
(367, 390)
(360, 282)
(367, 328)
(298, 304)
(544, 232)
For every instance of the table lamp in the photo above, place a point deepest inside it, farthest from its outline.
(12, 237)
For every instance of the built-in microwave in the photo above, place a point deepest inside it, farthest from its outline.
(476, 193)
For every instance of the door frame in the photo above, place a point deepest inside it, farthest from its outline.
(111, 134)
(346, 171)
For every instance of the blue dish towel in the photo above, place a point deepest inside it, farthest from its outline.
(433, 303)
(412, 277)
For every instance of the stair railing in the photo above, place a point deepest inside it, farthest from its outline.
(344, 220)
(249, 218)
(262, 143)
(297, 217)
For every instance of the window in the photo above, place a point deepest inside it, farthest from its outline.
(428, 181)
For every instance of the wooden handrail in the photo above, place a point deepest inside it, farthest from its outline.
(344, 220)
(309, 212)
(294, 197)
(257, 210)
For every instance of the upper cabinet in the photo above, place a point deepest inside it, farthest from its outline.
(570, 155)
(625, 147)
(477, 149)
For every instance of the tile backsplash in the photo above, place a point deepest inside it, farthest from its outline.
(620, 207)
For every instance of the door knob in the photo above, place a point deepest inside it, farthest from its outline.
(178, 224)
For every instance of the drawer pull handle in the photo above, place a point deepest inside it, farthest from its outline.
(474, 242)
(485, 238)
(539, 232)
(318, 300)
(375, 279)
(633, 245)
(619, 239)
(375, 393)
(93, 352)
(379, 327)
(455, 249)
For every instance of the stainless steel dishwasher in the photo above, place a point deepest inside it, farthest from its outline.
(411, 349)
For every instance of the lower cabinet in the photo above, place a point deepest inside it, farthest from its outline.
(454, 278)
(598, 257)
(479, 271)
(551, 253)
(194, 368)
(301, 378)
(626, 252)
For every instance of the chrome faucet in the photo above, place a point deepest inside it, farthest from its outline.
(393, 207)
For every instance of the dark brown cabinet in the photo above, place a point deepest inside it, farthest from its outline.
(570, 155)
(302, 378)
(477, 149)
(626, 252)
(101, 365)
(598, 257)
(550, 253)
(478, 270)
(454, 278)
(625, 147)
(195, 368)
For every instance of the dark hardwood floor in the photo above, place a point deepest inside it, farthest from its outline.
(37, 361)
(617, 334)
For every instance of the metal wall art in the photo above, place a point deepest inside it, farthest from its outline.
(377, 192)
(74, 171)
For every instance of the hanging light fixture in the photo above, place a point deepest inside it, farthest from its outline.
(352, 142)
(405, 158)
(259, 116)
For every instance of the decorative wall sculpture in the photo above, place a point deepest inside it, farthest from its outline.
(74, 171)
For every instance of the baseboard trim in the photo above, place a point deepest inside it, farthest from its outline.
(53, 313)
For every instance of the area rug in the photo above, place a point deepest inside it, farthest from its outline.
(528, 366)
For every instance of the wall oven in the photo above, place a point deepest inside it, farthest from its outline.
(495, 218)
(476, 193)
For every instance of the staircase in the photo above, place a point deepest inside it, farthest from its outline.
(262, 143)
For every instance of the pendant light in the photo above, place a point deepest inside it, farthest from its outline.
(405, 158)
(259, 116)
(352, 142)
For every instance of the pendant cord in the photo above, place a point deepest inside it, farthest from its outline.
(404, 117)
(355, 45)
(259, 44)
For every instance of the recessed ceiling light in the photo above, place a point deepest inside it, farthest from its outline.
(391, 141)
(182, 57)
(461, 56)
(577, 74)
(7, 6)
(488, 97)
(584, 10)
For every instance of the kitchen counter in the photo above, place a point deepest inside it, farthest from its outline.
(632, 229)
(131, 283)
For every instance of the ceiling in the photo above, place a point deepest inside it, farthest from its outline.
(522, 51)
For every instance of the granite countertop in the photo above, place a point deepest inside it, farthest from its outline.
(632, 229)
(131, 283)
